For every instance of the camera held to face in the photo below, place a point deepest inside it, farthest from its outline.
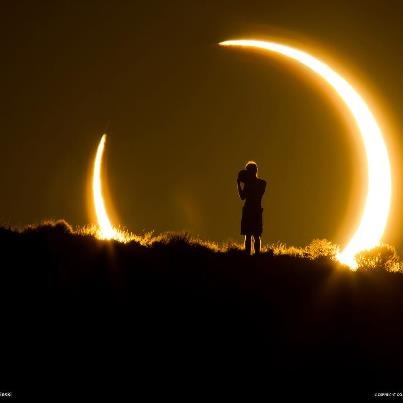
(242, 176)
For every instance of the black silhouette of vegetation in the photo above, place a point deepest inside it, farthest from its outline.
(173, 317)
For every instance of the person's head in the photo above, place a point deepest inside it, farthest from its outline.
(251, 168)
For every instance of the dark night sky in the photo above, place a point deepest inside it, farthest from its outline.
(183, 115)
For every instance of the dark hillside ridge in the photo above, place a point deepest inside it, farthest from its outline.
(175, 319)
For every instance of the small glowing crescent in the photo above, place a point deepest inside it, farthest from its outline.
(106, 230)
(377, 205)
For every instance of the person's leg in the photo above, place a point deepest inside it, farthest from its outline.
(248, 244)
(257, 244)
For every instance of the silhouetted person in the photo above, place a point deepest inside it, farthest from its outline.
(251, 190)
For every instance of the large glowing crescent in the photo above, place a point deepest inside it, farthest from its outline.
(105, 228)
(377, 205)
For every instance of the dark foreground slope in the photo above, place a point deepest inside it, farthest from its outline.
(82, 317)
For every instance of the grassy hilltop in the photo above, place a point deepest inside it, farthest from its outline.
(175, 317)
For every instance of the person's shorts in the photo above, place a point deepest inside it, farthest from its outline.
(252, 221)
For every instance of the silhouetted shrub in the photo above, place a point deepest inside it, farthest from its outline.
(171, 238)
(280, 248)
(50, 227)
(383, 257)
(321, 248)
